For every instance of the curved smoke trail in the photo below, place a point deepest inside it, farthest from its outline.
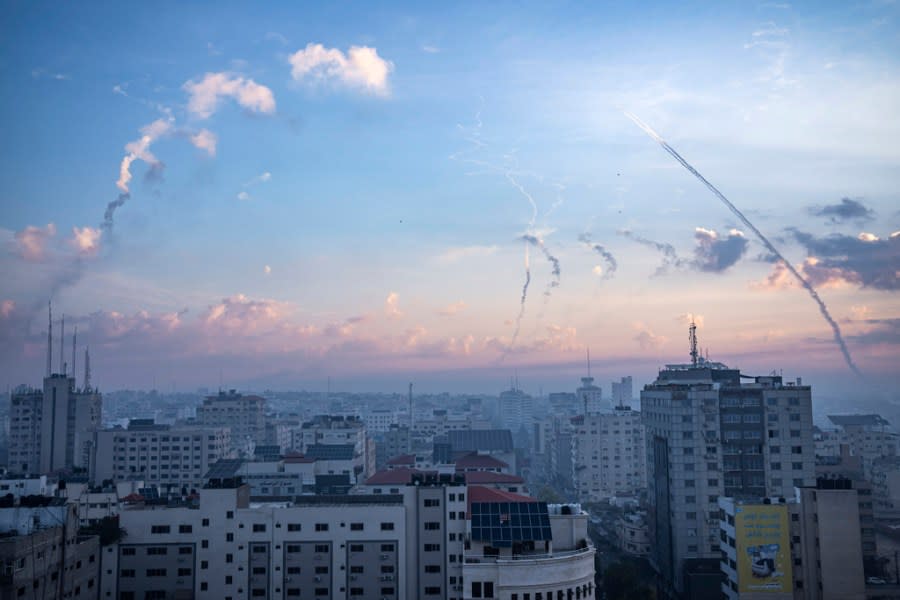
(838, 338)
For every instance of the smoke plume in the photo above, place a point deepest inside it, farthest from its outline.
(611, 264)
(670, 256)
(836, 330)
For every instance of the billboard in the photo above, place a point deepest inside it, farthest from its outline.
(763, 544)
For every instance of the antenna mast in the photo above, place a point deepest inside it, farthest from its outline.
(87, 368)
(589, 361)
(62, 342)
(49, 338)
(74, 337)
(693, 338)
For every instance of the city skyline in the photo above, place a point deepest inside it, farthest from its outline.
(271, 200)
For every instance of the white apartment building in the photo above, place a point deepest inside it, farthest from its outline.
(516, 409)
(244, 415)
(622, 391)
(868, 436)
(169, 458)
(52, 429)
(590, 397)
(609, 454)
(710, 435)
(379, 420)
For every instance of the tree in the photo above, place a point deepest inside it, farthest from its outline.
(622, 582)
(549, 495)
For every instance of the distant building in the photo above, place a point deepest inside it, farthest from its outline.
(609, 454)
(622, 391)
(244, 415)
(494, 442)
(590, 397)
(868, 436)
(347, 435)
(516, 409)
(632, 534)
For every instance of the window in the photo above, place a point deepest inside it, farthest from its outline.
(431, 502)
(488, 589)
(356, 548)
(433, 590)
(387, 526)
(229, 558)
(184, 572)
(321, 570)
(356, 526)
(160, 529)
(293, 570)
(476, 589)
(127, 551)
(156, 572)
(432, 568)
(432, 526)
(321, 548)
(293, 527)
(796, 449)
(774, 449)
(204, 564)
(321, 526)
(387, 547)
(127, 573)
(357, 569)
(262, 570)
(185, 550)
(185, 529)
(229, 537)
(229, 514)
(157, 551)
(432, 548)
(259, 527)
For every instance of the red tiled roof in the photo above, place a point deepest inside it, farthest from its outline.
(477, 493)
(481, 461)
(403, 459)
(474, 477)
(298, 458)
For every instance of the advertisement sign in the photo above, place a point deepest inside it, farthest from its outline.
(763, 542)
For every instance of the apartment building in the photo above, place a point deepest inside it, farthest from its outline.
(170, 458)
(329, 437)
(52, 429)
(244, 415)
(709, 435)
(609, 454)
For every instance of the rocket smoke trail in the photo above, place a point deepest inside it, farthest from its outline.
(515, 336)
(539, 243)
(611, 264)
(670, 256)
(838, 338)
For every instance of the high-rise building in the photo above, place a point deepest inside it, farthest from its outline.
(609, 454)
(710, 435)
(622, 391)
(516, 409)
(245, 415)
(590, 397)
(53, 429)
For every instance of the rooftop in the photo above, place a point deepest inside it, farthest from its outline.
(858, 420)
(331, 451)
(481, 439)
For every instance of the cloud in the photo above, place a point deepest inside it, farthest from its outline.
(846, 210)
(267, 270)
(239, 314)
(866, 261)
(453, 255)
(360, 68)
(453, 309)
(391, 306)
(204, 95)
(688, 318)
(205, 140)
(714, 254)
(139, 149)
(261, 178)
(670, 256)
(646, 339)
(31, 243)
(244, 196)
(430, 49)
(86, 240)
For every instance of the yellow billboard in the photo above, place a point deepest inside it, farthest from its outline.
(763, 543)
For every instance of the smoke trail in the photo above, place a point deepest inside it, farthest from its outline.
(836, 330)
(611, 264)
(107, 223)
(554, 262)
(515, 336)
(670, 256)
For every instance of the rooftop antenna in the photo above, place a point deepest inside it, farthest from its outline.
(74, 337)
(62, 340)
(693, 338)
(49, 338)
(589, 361)
(87, 367)
(517, 379)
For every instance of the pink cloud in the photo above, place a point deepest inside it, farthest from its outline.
(32, 242)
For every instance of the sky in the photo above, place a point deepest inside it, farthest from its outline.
(272, 197)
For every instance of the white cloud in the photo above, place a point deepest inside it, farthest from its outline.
(244, 196)
(274, 36)
(86, 240)
(453, 309)
(205, 94)
(431, 49)
(267, 270)
(391, 306)
(32, 241)
(205, 140)
(261, 178)
(360, 67)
